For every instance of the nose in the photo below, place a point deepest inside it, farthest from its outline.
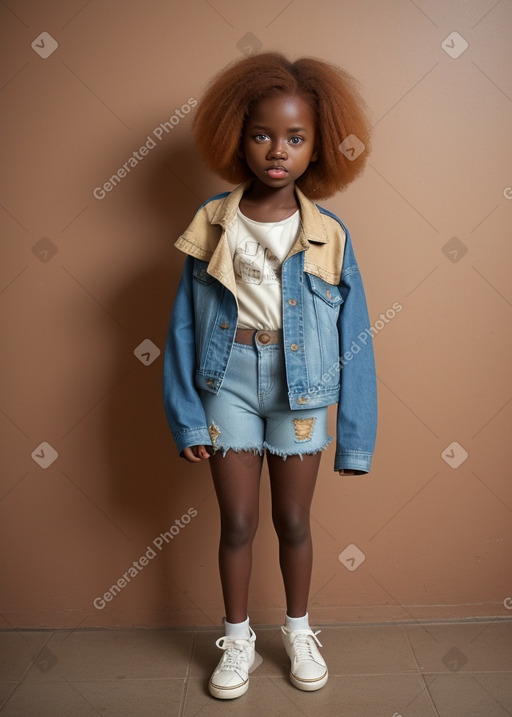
(277, 150)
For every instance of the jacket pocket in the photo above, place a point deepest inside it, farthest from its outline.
(329, 293)
(322, 310)
(200, 272)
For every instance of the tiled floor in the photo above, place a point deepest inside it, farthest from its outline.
(458, 669)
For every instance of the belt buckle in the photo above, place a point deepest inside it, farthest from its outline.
(263, 337)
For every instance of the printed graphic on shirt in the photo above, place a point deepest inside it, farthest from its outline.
(255, 264)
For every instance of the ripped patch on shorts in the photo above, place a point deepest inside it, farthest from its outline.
(214, 432)
(303, 428)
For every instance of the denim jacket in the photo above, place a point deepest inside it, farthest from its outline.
(326, 336)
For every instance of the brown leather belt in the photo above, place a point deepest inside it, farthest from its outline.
(263, 338)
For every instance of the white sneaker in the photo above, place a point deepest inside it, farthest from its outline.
(308, 669)
(231, 676)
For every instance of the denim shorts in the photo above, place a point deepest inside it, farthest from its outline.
(251, 412)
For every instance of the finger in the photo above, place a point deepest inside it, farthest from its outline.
(190, 455)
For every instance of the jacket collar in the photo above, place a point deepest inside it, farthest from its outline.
(321, 237)
(313, 228)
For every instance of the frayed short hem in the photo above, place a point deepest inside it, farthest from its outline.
(285, 454)
(272, 450)
(244, 449)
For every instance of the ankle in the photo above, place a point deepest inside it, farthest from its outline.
(237, 630)
(297, 623)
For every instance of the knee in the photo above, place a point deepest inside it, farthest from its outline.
(238, 531)
(292, 527)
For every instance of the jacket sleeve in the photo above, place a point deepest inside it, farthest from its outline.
(182, 404)
(357, 406)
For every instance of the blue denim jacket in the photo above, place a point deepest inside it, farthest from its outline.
(327, 341)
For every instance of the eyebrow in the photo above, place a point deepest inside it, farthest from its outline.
(267, 129)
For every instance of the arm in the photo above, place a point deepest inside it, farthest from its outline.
(182, 404)
(357, 407)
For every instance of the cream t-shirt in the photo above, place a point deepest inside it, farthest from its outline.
(258, 250)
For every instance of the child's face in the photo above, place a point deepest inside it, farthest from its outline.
(278, 142)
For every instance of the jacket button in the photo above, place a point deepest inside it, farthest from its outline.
(202, 272)
(302, 399)
(292, 302)
(294, 347)
(224, 326)
(209, 382)
(328, 294)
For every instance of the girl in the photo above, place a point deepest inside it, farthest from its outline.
(269, 327)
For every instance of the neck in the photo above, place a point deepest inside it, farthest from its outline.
(259, 193)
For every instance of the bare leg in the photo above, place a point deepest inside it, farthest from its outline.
(237, 480)
(292, 484)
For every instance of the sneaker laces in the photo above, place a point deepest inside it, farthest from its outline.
(235, 654)
(303, 644)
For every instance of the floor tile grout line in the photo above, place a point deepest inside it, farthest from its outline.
(420, 673)
(280, 679)
(198, 677)
(73, 684)
(403, 607)
(482, 687)
(8, 697)
(400, 673)
(465, 671)
(21, 680)
(105, 680)
(187, 678)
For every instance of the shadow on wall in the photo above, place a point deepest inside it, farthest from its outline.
(151, 486)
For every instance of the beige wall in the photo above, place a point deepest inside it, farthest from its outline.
(84, 281)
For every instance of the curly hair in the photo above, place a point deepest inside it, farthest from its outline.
(337, 107)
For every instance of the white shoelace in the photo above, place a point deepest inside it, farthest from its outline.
(304, 646)
(234, 656)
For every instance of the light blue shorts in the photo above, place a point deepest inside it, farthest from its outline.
(251, 411)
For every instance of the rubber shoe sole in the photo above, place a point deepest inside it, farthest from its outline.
(309, 685)
(231, 693)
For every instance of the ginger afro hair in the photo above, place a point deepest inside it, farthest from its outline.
(331, 93)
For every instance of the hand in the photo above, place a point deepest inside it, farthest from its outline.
(195, 454)
(350, 472)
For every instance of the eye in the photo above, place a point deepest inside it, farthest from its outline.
(296, 140)
(261, 137)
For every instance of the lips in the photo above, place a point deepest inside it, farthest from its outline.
(276, 172)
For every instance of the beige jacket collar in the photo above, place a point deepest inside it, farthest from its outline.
(321, 237)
